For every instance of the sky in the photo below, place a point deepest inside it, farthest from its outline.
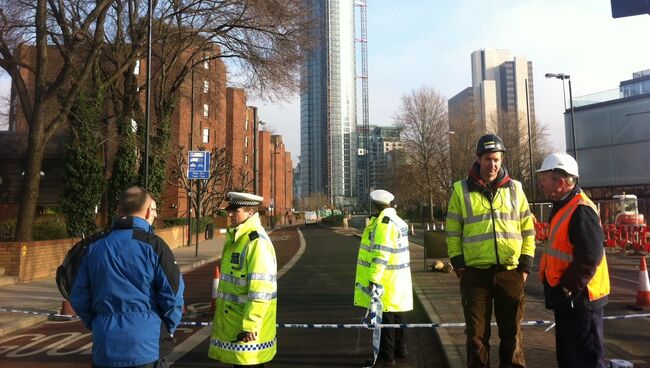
(415, 43)
(426, 42)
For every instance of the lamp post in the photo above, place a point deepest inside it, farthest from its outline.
(451, 156)
(563, 77)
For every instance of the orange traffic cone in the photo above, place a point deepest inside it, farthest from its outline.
(643, 293)
(215, 288)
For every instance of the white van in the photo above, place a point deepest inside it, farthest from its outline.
(311, 217)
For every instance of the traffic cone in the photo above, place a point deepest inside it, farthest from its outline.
(643, 293)
(215, 288)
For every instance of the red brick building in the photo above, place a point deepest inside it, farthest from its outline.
(217, 115)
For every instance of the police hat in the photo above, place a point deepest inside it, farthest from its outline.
(237, 199)
(381, 196)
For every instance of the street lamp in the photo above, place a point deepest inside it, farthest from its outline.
(562, 77)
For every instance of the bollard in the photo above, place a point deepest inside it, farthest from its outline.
(427, 226)
(412, 230)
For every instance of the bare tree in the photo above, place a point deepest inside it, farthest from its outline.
(422, 116)
(314, 202)
(464, 133)
(50, 48)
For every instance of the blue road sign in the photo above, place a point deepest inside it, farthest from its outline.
(198, 165)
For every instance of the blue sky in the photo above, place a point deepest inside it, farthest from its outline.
(414, 43)
(425, 42)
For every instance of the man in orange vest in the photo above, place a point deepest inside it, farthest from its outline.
(573, 267)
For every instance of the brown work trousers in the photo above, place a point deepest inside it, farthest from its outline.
(481, 288)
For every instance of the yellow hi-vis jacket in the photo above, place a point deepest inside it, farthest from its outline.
(384, 260)
(481, 233)
(246, 297)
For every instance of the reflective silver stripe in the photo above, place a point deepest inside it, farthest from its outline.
(454, 216)
(530, 232)
(559, 255)
(379, 261)
(233, 280)
(468, 201)
(454, 233)
(261, 296)
(366, 247)
(364, 289)
(231, 297)
(513, 198)
(390, 249)
(489, 236)
(398, 266)
(525, 214)
(363, 263)
(242, 346)
(553, 232)
(261, 276)
(505, 216)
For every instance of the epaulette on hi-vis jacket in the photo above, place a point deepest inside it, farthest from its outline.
(253, 235)
(386, 220)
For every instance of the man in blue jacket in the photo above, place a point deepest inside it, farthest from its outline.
(129, 290)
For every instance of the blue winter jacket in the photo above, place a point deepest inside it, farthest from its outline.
(129, 292)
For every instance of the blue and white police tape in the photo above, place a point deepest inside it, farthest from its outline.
(337, 325)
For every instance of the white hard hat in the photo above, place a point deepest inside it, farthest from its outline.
(381, 196)
(560, 161)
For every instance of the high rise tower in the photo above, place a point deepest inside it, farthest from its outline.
(328, 106)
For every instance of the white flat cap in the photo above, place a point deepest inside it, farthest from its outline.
(381, 196)
(238, 199)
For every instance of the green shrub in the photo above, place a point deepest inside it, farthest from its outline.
(49, 228)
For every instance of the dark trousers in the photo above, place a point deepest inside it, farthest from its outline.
(393, 340)
(480, 289)
(579, 338)
(158, 364)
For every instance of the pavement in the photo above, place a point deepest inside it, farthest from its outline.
(439, 294)
(43, 295)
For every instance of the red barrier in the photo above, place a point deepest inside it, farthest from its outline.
(541, 231)
(611, 233)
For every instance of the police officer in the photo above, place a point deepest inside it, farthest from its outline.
(243, 332)
(491, 244)
(573, 267)
(383, 268)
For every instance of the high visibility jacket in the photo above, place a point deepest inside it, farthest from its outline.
(558, 253)
(482, 233)
(384, 260)
(246, 297)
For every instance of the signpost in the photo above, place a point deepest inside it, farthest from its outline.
(198, 168)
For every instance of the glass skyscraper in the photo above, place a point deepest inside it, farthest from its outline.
(328, 106)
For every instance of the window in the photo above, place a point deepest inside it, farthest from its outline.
(134, 125)
(246, 142)
(136, 69)
(206, 110)
(206, 135)
(206, 86)
(246, 159)
(206, 64)
(246, 124)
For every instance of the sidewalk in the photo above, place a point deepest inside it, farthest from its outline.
(43, 295)
(439, 294)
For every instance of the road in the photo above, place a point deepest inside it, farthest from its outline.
(317, 289)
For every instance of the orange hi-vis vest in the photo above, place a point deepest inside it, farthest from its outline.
(558, 253)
